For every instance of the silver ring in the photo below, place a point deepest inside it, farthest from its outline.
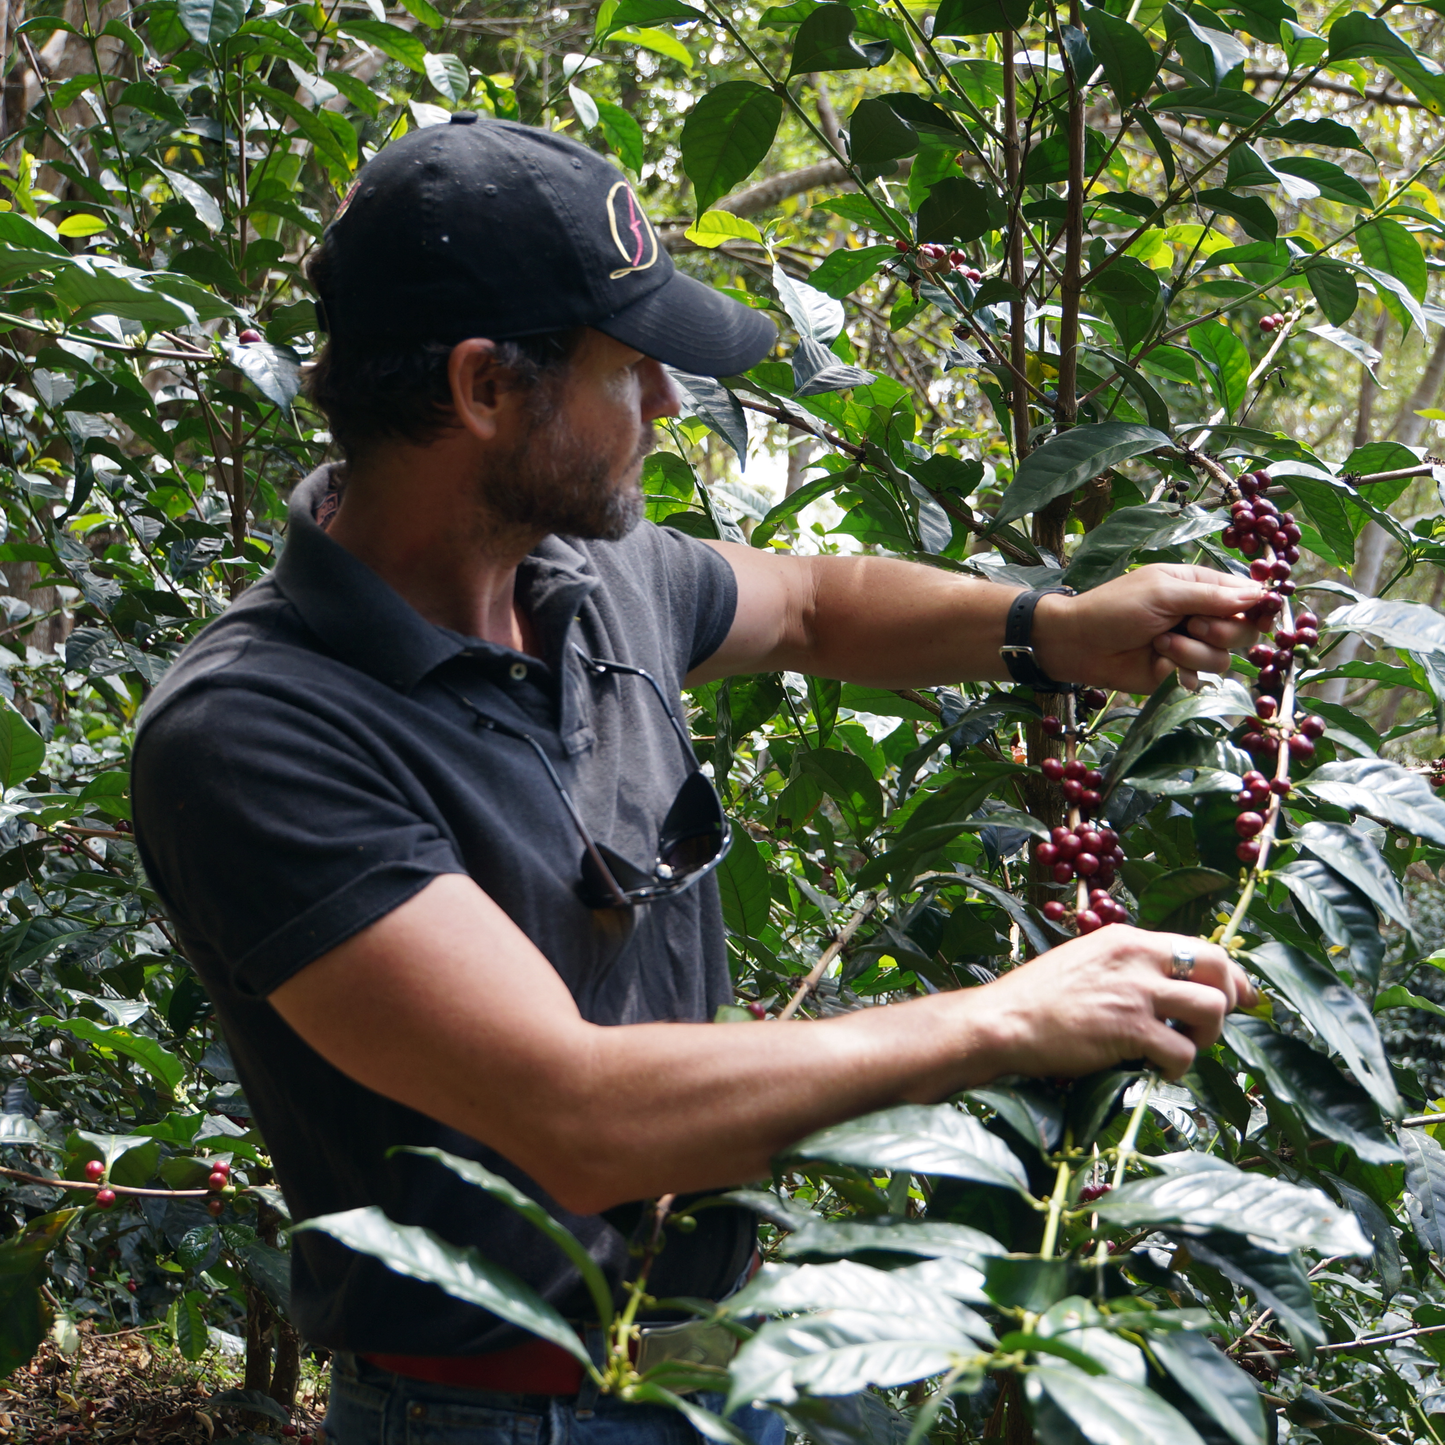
(1183, 962)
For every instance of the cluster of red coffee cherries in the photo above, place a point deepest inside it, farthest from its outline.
(1268, 324)
(939, 260)
(218, 1180)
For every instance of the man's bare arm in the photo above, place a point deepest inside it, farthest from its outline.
(888, 623)
(444, 1005)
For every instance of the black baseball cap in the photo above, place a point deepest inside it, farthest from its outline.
(488, 228)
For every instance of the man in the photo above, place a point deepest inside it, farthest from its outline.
(364, 792)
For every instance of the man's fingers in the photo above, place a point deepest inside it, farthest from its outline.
(1212, 966)
(1200, 1008)
(1191, 653)
(1170, 1051)
(1223, 632)
(1212, 594)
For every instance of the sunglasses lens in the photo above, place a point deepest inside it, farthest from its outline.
(693, 831)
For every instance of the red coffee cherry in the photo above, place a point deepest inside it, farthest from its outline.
(1086, 865)
(1091, 1192)
(1052, 769)
(901, 247)
(1055, 911)
(94, 1170)
(216, 1205)
(1281, 786)
(1301, 747)
(1248, 824)
(1267, 324)
(219, 1166)
(1047, 854)
(757, 1010)
(104, 1198)
(249, 335)
(216, 1182)
(1052, 726)
(1089, 921)
(1063, 872)
(1248, 852)
(1313, 727)
(131, 1285)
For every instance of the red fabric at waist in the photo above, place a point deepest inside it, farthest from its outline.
(536, 1367)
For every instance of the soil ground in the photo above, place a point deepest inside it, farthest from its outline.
(134, 1386)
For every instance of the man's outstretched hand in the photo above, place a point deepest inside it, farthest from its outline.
(1120, 635)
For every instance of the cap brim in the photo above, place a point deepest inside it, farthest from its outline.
(694, 328)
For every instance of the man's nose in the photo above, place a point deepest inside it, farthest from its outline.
(658, 396)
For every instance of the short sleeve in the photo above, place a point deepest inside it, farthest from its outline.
(270, 834)
(702, 589)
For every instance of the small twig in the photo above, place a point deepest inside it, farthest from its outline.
(1369, 1341)
(829, 954)
(101, 1184)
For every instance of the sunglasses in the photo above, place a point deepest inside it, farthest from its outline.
(695, 835)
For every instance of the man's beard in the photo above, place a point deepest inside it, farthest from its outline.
(555, 480)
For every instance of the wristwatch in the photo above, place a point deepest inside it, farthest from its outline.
(1017, 650)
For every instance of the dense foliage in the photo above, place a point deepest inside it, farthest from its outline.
(1053, 282)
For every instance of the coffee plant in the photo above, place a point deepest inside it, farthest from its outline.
(1064, 290)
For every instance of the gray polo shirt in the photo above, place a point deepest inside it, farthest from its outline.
(309, 764)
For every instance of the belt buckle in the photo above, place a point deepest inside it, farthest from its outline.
(694, 1342)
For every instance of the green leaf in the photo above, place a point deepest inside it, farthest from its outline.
(1129, 61)
(1215, 1195)
(1333, 286)
(716, 228)
(618, 16)
(1173, 892)
(1335, 1013)
(1318, 133)
(275, 371)
(1234, 107)
(1398, 996)
(1106, 552)
(1128, 281)
(710, 401)
(1214, 1382)
(1409, 626)
(923, 1139)
(1385, 245)
(980, 17)
(109, 793)
(1309, 1083)
(818, 317)
(534, 1214)
(1170, 706)
(1065, 462)
(448, 75)
(1425, 1179)
(464, 1273)
(1381, 790)
(726, 135)
(623, 133)
(877, 134)
(746, 892)
(426, 12)
(22, 752)
(842, 272)
(1227, 358)
(1358, 36)
(1102, 1409)
(1034, 1114)
(793, 1289)
(1344, 914)
(825, 42)
(209, 22)
(1332, 183)
(1211, 53)
(842, 1352)
(24, 1269)
(187, 1320)
(1354, 855)
(158, 1062)
(959, 209)
(391, 40)
(889, 1239)
(1276, 1280)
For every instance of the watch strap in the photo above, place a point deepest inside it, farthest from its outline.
(1017, 650)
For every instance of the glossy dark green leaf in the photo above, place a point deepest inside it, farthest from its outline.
(188, 1325)
(825, 42)
(1129, 61)
(21, 749)
(980, 17)
(1379, 1226)
(743, 883)
(1211, 53)
(1214, 1382)
(391, 40)
(1276, 1280)
(1217, 1090)
(1344, 914)
(709, 401)
(843, 271)
(726, 135)
(1234, 107)
(1105, 1410)
(1332, 183)
(1254, 213)
(889, 1240)
(623, 133)
(1335, 1013)
(209, 22)
(275, 371)
(24, 1268)
(1065, 462)
(1216, 1195)
(1170, 706)
(877, 134)
(1128, 280)
(1354, 856)
(1409, 626)
(1425, 1180)
(959, 209)
(1381, 790)
(1183, 764)
(1387, 246)
(1318, 133)
(841, 1352)
(1173, 892)
(923, 1139)
(1034, 1114)
(1306, 1081)
(627, 13)
(1325, 505)
(847, 780)
(464, 1273)
(1094, 1100)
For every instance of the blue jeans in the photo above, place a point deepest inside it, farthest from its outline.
(370, 1406)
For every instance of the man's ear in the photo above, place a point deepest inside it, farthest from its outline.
(476, 387)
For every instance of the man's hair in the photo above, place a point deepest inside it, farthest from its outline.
(393, 388)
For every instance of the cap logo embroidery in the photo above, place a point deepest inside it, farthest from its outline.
(632, 232)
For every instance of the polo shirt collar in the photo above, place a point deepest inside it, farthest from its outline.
(368, 626)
